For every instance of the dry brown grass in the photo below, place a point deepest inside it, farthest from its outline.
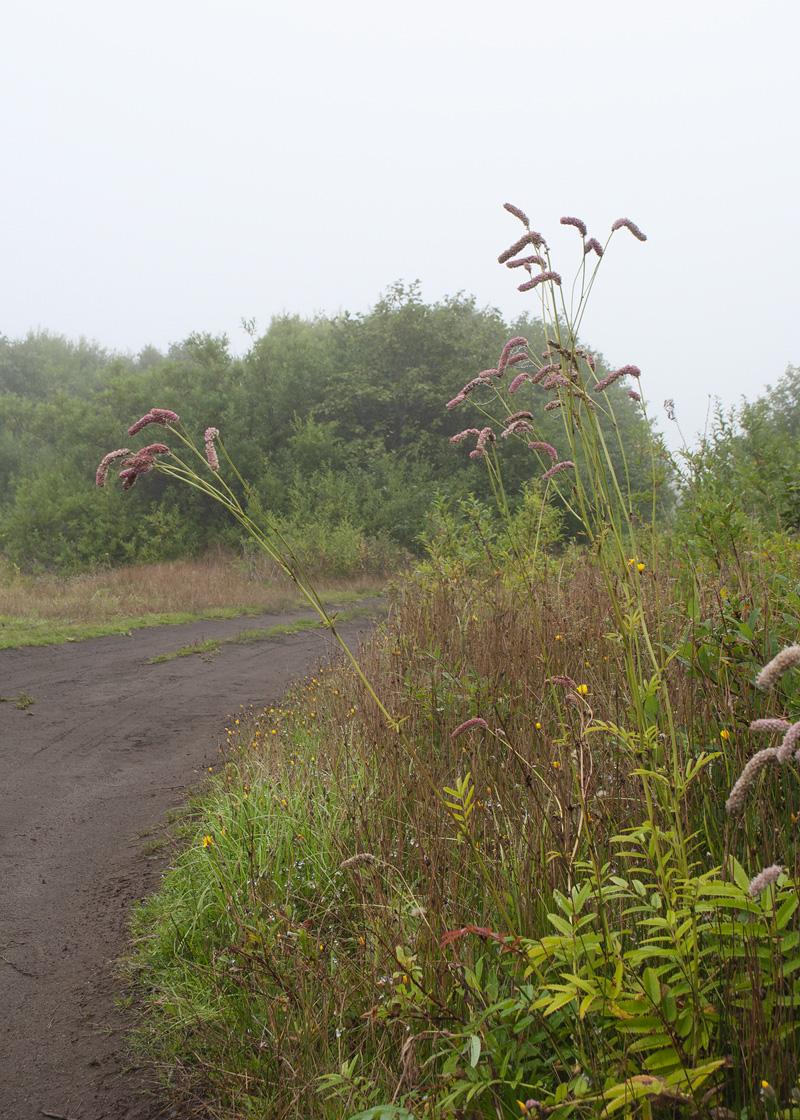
(217, 581)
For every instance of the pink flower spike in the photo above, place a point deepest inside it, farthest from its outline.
(477, 722)
(540, 279)
(579, 225)
(548, 449)
(509, 346)
(626, 223)
(165, 415)
(211, 434)
(463, 435)
(515, 384)
(155, 449)
(764, 879)
(567, 464)
(145, 420)
(102, 470)
(634, 395)
(593, 245)
(515, 210)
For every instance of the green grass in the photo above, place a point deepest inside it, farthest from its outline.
(16, 632)
(245, 637)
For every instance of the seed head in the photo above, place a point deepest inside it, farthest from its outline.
(565, 682)
(629, 225)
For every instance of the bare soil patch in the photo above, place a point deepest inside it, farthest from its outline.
(108, 746)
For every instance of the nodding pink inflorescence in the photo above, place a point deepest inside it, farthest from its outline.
(579, 225)
(505, 357)
(518, 416)
(634, 395)
(789, 745)
(536, 445)
(593, 245)
(483, 378)
(105, 463)
(554, 380)
(747, 778)
(516, 427)
(626, 223)
(764, 879)
(564, 682)
(486, 435)
(624, 371)
(211, 451)
(161, 416)
(772, 673)
(552, 405)
(128, 477)
(782, 725)
(468, 724)
(566, 464)
(540, 279)
(526, 262)
(517, 247)
(515, 384)
(515, 210)
(457, 438)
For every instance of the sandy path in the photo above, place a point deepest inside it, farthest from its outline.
(109, 745)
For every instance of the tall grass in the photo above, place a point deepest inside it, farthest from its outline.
(486, 869)
(36, 609)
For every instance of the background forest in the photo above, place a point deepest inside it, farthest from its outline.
(340, 424)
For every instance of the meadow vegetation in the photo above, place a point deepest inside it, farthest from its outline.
(521, 855)
(45, 608)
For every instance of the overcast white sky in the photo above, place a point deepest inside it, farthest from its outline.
(176, 165)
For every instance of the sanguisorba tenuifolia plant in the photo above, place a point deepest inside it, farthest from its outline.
(658, 981)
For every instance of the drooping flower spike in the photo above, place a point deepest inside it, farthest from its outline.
(566, 464)
(105, 463)
(161, 416)
(579, 225)
(468, 724)
(540, 279)
(764, 879)
(624, 371)
(505, 357)
(515, 210)
(211, 451)
(626, 223)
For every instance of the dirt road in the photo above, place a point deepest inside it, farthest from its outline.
(108, 746)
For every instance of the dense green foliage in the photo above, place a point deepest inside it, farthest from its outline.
(338, 423)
